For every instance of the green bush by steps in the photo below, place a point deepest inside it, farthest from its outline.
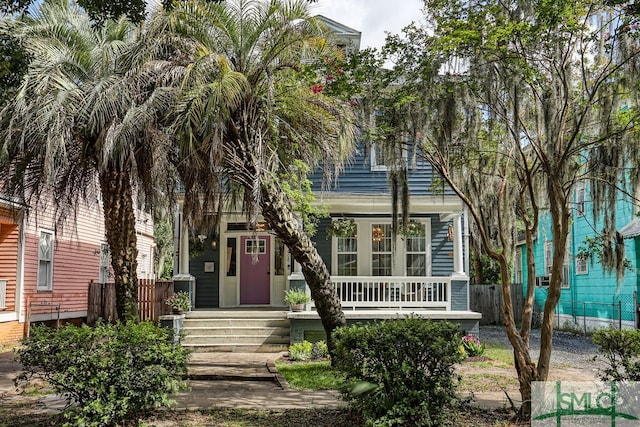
(401, 372)
(108, 373)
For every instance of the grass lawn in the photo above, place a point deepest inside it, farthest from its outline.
(311, 375)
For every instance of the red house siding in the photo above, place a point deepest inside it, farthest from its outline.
(9, 236)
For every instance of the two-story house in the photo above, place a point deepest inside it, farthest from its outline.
(424, 271)
(45, 270)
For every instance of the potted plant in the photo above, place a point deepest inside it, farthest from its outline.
(179, 302)
(296, 299)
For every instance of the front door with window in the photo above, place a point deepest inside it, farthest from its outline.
(255, 275)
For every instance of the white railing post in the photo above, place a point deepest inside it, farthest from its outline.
(393, 292)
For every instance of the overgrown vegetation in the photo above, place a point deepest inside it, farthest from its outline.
(621, 350)
(401, 371)
(306, 350)
(109, 373)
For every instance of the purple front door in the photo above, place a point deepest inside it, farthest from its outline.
(255, 277)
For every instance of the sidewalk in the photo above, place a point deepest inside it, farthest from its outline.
(231, 380)
(226, 380)
(246, 380)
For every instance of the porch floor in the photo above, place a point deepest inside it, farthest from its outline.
(383, 313)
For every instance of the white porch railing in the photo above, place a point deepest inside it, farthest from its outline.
(393, 292)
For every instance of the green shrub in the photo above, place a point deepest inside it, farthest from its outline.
(300, 350)
(621, 350)
(109, 373)
(401, 371)
(319, 350)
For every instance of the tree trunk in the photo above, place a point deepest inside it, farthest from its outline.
(120, 230)
(276, 210)
(560, 217)
(525, 368)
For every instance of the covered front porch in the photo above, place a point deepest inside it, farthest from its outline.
(372, 298)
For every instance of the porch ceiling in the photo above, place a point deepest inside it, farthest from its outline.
(381, 203)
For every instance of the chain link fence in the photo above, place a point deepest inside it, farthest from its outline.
(586, 316)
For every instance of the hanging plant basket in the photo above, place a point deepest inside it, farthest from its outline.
(342, 227)
(412, 229)
(196, 247)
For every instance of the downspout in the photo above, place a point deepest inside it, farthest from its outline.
(20, 270)
(466, 253)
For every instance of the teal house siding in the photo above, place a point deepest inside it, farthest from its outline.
(593, 298)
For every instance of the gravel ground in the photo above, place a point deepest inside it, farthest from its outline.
(571, 350)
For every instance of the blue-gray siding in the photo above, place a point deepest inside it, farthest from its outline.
(207, 284)
(358, 178)
(441, 248)
(323, 242)
(459, 295)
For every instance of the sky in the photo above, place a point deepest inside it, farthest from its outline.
(371, 17)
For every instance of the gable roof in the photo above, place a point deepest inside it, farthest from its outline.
(632, 229)
(338, 28)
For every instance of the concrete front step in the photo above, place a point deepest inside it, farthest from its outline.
(236, 331)
(239, 331)
(237, 314)
(236, 323)
(190, 338)
(231, 347)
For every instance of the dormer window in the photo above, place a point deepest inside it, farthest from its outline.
(379, 160)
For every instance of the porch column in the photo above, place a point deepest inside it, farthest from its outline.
(458, 261)
(184, 249)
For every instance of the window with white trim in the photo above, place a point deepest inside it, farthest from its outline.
(416, 254)
(565, 276)
(580, 194)
(518, 266)
(255, 246)
(379, 160)
(347, 256)
(381, 255)
(103, 275)
(582, 266)
(45, 261)
(548, 257)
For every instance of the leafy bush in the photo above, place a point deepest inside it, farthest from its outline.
(109, 373)
(300, 350)
(319, 350)
(402, 370)
(621, 349)
(472, 346)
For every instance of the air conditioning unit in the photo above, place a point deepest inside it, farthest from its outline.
(542, 281)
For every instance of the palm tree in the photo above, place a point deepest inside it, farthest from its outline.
(81, 126)
(244, 115)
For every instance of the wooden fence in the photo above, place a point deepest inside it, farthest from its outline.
(487, 299)
(151, 297)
